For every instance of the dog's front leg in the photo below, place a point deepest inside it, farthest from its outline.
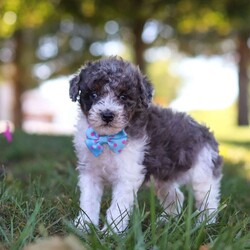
(118, 213)
(91, 190)
(123, 195)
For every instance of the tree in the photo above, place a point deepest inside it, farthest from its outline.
(31, 14)
(133, 18)
(239, 14)
(204, 26)
(199, 27)
(27, 29)
(18, 17)
(196, 26)
(131, 15)
(243, 105)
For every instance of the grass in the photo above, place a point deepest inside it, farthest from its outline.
(39, 198)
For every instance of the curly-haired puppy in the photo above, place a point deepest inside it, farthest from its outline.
(122, 139)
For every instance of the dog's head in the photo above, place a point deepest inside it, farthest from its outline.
(110, 92)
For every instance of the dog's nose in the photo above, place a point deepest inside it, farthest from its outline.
(107, 116)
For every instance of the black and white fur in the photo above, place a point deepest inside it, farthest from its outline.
(169, 146)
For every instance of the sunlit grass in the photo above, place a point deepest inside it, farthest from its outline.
(235, 154)
(224, 124)
(234, 141)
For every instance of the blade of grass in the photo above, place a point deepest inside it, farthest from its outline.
(189, 220)
(152, 212)
(4, 235)
(29, 227)
(137, 227)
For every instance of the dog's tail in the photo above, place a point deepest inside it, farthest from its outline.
(218, 162)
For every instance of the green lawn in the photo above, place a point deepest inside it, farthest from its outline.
(39, 198)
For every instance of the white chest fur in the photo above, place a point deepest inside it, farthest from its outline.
(109, 166)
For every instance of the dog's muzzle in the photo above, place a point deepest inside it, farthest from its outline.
(107, 116)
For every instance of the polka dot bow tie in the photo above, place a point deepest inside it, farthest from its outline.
(95, 142)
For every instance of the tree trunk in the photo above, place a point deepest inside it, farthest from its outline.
(17, 79)
(243, 81)
(139, 45)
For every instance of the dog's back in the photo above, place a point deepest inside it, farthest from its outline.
(175, 139)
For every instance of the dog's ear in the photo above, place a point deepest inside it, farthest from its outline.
(74, 87)
(146, 90)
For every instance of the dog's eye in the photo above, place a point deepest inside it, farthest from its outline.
(123, 97)
(93, 95)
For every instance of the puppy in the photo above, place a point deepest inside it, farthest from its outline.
(122, 139)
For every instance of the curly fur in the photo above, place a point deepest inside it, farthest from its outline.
(169, 146)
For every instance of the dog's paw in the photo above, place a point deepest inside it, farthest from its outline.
(162, 219)
(116, 220)
(83, 223)
(207, 217)
(113, 228)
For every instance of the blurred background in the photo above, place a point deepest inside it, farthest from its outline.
(195, 52)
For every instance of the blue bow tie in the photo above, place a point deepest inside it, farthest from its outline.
(94, 141)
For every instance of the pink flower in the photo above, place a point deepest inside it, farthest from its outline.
(7, 134)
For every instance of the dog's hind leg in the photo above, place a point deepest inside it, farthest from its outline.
(170, 197)
(206, 185)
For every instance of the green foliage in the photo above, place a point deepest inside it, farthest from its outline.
(20, 14)
(39, 198)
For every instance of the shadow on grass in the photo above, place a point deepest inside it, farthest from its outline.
(27, 146)
(236, 185)
(245, 144)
